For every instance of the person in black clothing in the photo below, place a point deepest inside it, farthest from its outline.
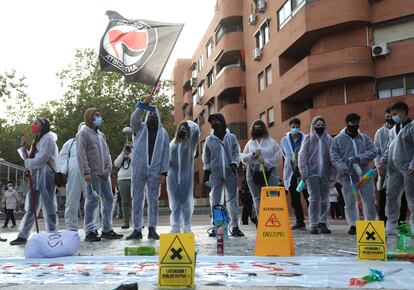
(247, 201)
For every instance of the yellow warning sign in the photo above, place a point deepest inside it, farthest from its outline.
(176, 261)
(371, 240)
(274, 236)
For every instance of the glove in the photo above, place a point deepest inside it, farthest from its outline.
(354, 160)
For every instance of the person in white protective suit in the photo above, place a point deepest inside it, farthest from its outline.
(41, 163)
(149, 166)
(316, 169)
(180, 179)
(352, 146)
(95, 164)
(399, 158)
(68, 164)
(261, 150)
(221, 158)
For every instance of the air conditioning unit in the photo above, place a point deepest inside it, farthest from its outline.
(380, 49)
(193, 82)
(261, 6)
(257, 54)
(252, 19)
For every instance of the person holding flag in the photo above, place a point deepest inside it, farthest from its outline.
(95, 164)
(150, 164)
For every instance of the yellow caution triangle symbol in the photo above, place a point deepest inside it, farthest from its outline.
(176, 253)
(370, 236)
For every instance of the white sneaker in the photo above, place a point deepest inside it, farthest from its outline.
(175, 231)
(391, 229)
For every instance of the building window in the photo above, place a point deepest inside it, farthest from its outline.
(209, 47)
(239, 129)
(200, 63)
(211, 107)
(271, 117)
(186, 110)
(262, 36)
(210, 78)
(200, 89)
(262, 117)
(269, 75)
(289, 9)
(261, 81)
(395, 86)
(201, 119)
(195, 98)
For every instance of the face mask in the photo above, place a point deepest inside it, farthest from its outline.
(98, 121)
(216, 126)
(35, 128)
(396, 119)
(181, 134)
(294, 131)
(10, 188)
(319, 130)
(353, 129)
(259, 132)
(390, 121)
(152, 122)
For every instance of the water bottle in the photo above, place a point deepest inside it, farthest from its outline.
(220, 242)
(139, 251)
(301, 186)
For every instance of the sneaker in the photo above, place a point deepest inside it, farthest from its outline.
(111, 235)
(314, 230)
(125, 226)
(4, 227)
(212, 234)
(152, 234)
(324, 228)
(13, 226)
(299, 226)
(175, 231)
(391, 230)
(19, 241)
(236, 232)
(352, 230)
(136, 235)
(92, 237)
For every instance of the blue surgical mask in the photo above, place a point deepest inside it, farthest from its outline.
(396, 119)
(294, 131)
(98, 121)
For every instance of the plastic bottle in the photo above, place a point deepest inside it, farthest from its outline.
(139, 251)
(301, 186)
(220, 242)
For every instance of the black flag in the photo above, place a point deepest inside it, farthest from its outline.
(137, 48)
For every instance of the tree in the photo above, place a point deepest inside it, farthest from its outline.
(87, 86)
(14, 108)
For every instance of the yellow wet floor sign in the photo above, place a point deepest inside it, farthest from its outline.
(176, 261)
(371, 240)
(274, 236)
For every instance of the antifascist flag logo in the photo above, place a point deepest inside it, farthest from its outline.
(139, 49)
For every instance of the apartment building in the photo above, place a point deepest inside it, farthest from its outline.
(279, 59)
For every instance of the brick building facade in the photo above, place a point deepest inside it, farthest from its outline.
(280, 59)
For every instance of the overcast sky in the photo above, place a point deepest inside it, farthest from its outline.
(39, 37)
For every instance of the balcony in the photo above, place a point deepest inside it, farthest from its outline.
(230, 76)
(321, 17)
(352, 63)
(234, 113)
(230, 41)
(228, 8)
